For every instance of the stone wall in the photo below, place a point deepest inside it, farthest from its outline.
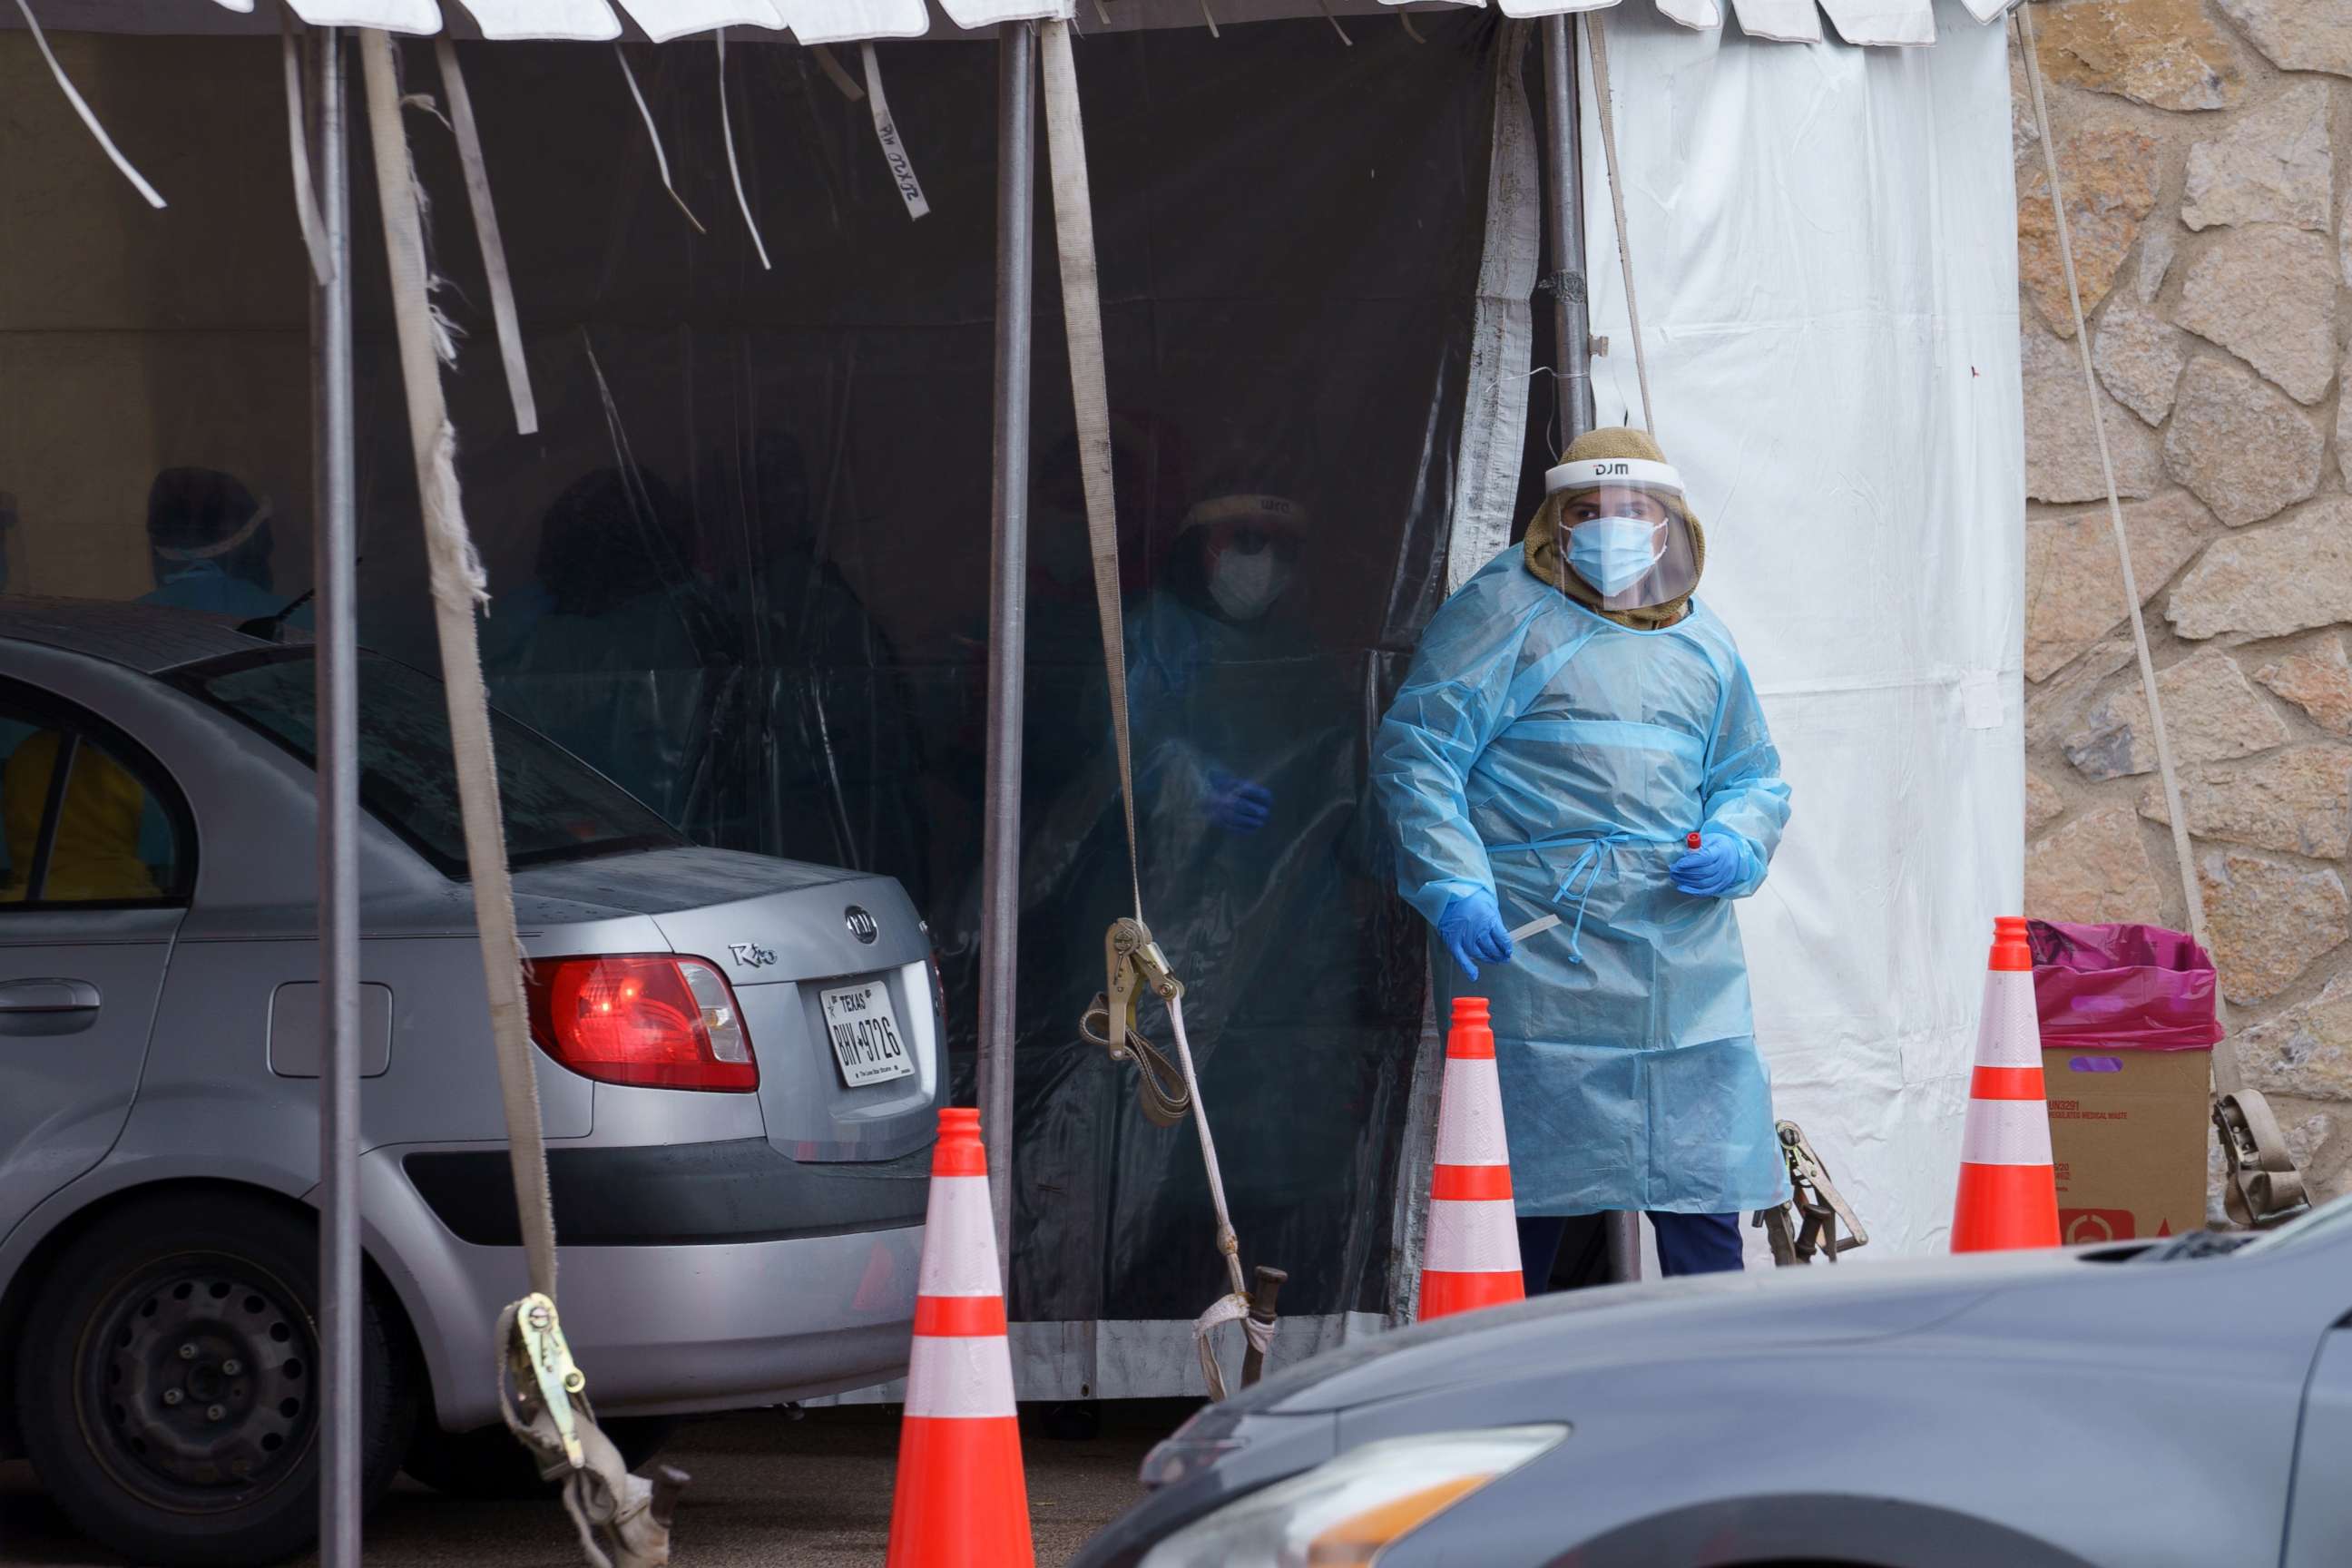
(2205, 149)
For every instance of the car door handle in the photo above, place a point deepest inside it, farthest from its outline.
(47, 1006)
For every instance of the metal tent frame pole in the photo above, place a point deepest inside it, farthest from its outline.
(1000, 931)
(1572, 358)
(1564, 235)
(333, 530)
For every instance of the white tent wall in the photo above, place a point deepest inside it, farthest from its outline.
(1824, 252)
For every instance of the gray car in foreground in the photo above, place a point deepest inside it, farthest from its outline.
(2185, 1402)
(738, 1064)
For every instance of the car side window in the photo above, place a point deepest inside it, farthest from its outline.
(83, 819)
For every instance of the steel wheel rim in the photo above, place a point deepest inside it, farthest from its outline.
(193, 1382)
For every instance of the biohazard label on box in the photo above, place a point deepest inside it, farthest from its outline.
(2127, 1130)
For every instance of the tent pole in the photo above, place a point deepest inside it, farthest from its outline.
(1564, 235)
(339, 953)
(1572, 360)
(1016, 221)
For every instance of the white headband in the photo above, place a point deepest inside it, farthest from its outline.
(206, 552)
(1594, 471)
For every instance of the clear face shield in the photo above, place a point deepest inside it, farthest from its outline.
(1625, 530)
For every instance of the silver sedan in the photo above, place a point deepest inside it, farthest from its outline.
(739, 1066)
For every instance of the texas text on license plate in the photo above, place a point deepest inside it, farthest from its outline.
(866, 1038)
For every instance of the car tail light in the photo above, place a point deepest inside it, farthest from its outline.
(656, 1020)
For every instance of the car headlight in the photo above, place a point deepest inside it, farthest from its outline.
(1340, 1514)
(1182, 1457)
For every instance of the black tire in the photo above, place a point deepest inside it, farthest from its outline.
(205, 1460)
(488, 1464)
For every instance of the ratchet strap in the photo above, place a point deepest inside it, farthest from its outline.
(542, 1396)
(1807, 1224)
(1133, 962)
(2262, 1186)
(1134, 965)
(623, 1520)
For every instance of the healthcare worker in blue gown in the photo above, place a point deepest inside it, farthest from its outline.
(1572, 717)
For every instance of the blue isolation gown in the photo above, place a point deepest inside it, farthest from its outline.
(1559, 760)
(202, 586)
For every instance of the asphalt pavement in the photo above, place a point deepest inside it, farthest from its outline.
(767, 1491)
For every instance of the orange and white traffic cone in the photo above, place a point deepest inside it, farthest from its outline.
(2009, 1188)
(1472, 1256)
(961, 1500)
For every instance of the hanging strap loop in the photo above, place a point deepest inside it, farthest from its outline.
(734, 169)
(653, 132)
(147, 193)
(485, 229)
(894, 146)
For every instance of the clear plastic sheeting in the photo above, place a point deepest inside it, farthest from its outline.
(1824, 244)
(743, 570)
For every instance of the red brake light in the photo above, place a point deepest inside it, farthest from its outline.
(670, 1023)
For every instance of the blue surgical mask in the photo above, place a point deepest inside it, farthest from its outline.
(1612, 553)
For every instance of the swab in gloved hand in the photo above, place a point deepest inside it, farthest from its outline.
(1535, 927)
(1472, 930)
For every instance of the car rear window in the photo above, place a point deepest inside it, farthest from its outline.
(556, 807)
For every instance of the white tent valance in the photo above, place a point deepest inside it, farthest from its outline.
(1863, 23)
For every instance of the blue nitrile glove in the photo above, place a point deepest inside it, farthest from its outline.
(1709, 871)
(1472, 930)
(1235, 805)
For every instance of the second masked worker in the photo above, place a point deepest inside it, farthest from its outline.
(1572, 717)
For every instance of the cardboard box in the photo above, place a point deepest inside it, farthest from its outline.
(2128, 1130)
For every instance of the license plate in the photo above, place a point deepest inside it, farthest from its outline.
(866, 1038)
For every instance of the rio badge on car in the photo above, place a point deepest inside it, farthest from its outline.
(865, 1031)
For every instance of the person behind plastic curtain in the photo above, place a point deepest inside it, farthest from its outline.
(1252, 850)
(1572, 717)
(209, 545)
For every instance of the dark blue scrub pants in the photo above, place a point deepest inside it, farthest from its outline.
(1687, 1244)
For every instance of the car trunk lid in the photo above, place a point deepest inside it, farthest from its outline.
(786, 935)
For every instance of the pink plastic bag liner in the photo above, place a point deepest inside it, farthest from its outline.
(2133, 987)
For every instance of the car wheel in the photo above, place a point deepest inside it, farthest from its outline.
(168, 1377)
(488, 1463)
